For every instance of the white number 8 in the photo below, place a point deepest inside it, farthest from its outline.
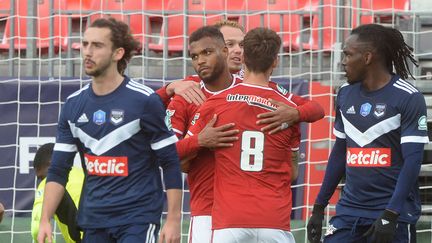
(248, 150)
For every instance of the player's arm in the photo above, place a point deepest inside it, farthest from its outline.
(188, 89)
(37, 211)
(209, 136)
(163, 145)
(295, 145)
(306, 111)
(57, 177)
(413, 137)
(334, 172)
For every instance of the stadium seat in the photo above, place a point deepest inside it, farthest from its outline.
(286, 24)
(19, 36)
(4, 8)
(328, 26)
(196, 17)
(128, 11)
(383, 10)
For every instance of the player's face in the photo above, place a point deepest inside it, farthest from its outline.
(97, 51)
(354, 61)
(208, 58)
(234, 42)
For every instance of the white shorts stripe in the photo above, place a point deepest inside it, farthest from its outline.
(163, 143)
(64, 147)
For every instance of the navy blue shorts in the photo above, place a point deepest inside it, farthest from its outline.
(351, 229)
(123, 234)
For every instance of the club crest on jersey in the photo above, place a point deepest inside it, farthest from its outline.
(379, 110)
(351, 110)
(365, 109)
(169, 114)
(99, 117)
(422, 123)
(116, 116)
(83, 118)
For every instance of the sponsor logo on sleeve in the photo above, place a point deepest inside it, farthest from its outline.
(116, 116)
(368, 157)
(422, 123)
(106, 165)
(197, 115)
(169, 114)
(365, 109)
(99, 117)
(379, 110)
(281, 89)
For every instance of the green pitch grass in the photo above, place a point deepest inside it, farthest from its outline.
(19, 232)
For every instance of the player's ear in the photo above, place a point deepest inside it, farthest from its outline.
(118, 53)
(367, 57)
(275, 62)
(225, 51)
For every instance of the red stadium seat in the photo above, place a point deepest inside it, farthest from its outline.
(20, 38)
(196, 18)
(328, 26)
(127, 11)
(383, 10)
(4, 8)
(286, 24)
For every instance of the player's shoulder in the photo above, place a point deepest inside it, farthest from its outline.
(193, 77)
(404, 88)
(77, 94)
(138, 89)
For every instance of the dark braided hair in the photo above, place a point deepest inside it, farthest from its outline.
(121, 36)
(390, 44)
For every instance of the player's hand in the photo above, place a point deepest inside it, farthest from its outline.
(45, 232)
(280, 119)
(314, 226)
(170, 232)
(383, 229)
(189, 90)
(217, 137)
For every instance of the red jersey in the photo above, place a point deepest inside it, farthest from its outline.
(201, 169)
(252, 180)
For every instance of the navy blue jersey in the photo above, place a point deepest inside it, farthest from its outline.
(125, 140)
(375, 126)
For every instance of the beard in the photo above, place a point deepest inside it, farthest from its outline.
(99, 70)
(218, 69)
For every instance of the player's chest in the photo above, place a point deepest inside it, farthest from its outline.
(100, 119)
(363, 113)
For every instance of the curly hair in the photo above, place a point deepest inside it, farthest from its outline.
(121, 36)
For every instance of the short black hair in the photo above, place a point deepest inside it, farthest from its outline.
(207, 31)
(42, 158)
(390, 45)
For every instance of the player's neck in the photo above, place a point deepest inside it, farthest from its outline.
(376, 80)
(106, 82)
(222, 82)
(259, 79)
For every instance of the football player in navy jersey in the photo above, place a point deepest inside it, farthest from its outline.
(380, 131)
(118, 125)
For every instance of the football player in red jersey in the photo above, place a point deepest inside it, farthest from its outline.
(252, 179)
